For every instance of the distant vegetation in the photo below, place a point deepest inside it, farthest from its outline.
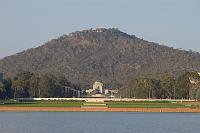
(29, 85)
(186, 86)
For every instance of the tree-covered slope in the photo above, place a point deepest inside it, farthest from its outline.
(108, 55)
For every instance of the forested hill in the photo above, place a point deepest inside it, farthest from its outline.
(108, 55)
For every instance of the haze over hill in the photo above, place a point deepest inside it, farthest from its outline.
(108, 55)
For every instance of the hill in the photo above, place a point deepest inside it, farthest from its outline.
(108, 55)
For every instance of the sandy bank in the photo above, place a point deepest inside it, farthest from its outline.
(62, 109)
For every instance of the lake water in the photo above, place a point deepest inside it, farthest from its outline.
(98, 122)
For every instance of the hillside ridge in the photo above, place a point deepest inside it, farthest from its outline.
(109, 55)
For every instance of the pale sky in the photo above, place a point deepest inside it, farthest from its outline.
(29, 23)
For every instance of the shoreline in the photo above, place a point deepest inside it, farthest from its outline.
(79, 109)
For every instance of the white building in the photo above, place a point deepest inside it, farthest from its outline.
(97, 88)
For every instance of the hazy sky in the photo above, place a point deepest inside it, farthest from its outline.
(29, 23)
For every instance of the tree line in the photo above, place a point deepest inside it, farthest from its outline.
(29, 85)
(186, 86)
(33, 85)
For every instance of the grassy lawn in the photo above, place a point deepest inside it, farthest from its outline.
(43, 104)
(143, 104)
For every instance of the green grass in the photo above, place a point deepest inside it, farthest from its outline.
(43, 104)
(94, 105)
(136, 104)
(145, 104)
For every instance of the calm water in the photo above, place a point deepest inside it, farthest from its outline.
(65, 122)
